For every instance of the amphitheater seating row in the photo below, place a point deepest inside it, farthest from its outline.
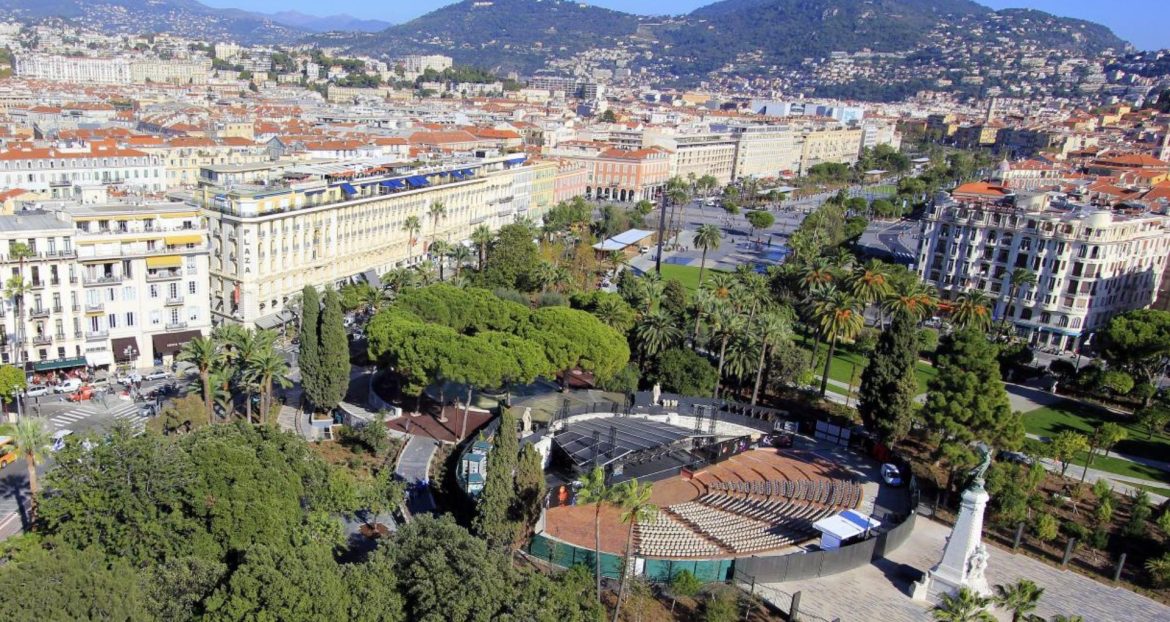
(736, 533)
(665, 536)
(834, 492)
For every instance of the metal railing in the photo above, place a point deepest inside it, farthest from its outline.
(164, 275)
(96, 335)
(174, 301)
(95, 308)
(176, 325)
(105, 279)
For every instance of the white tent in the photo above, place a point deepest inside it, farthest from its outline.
(848, 524)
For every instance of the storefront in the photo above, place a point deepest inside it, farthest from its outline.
(168, 345)
(125, 351)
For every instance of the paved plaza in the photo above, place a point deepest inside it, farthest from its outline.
(879, 591)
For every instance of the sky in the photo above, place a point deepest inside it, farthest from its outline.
(1145, 23)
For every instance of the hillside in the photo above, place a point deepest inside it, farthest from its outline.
(340, 22)
(507, 34)
(183, 17)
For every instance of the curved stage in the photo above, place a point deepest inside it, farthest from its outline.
(763, 500)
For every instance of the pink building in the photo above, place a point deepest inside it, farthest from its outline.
(571, 180)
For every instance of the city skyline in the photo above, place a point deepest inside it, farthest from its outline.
(1144, 24)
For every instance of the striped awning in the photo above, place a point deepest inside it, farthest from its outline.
(166, 261)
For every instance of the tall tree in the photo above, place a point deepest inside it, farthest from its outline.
(707, 238)
(725, 324)
(636, 508)
(839, 317)
(911, 298)
(965, 606)
(595, 491)
(436, 211)
(334, 353)
(1103, 438)
(16, 288)
(888, 384)
(205, 355)
(482, 236)
(412, 226)
(460, 255)
(268, 369)
(966, 401)
(1019, 278)
(30, 440)
(530, 489)
(772, 329)
(438, 252)
(1138, 342)
(656, 332)
(972, 310)
(309, 353)
(12, 383)
(494, 519)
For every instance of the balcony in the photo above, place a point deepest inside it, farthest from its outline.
(42, 340)
(105, 279)
(163, 275)
(57, 308)
(75, 308)
(176, 325)
(96, 335)
(174, 301)
(97, 307)
(36, 284)
(59, 337)
(38, 312)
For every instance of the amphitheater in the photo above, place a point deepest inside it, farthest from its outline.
(762, 501)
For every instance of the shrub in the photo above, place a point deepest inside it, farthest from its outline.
(1099, 538)
(1046, 528)
(552, 299)
(1104, 511)
(511, 295)
(1076, 530)
(927, 341)
(1102, 489)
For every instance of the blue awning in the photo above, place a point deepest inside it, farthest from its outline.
(457, 174)
(517, 160)
(418, 181)
(348, 189)
(312, 192)
(393, 183)
(469, 172)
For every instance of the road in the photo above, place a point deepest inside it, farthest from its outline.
(413, 467)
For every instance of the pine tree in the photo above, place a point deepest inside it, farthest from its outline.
(888, 384)
(966, 400)
(334, 353)
(494, 520)
(530, 488)
(309, 357)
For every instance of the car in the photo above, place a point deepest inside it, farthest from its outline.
(891, 475)
(157, 374)
(36, 390)
(59, 439)
(8, 453)
(69, 386)
(130, 378)
(1016, 457)
(81, 394)
(148, 410)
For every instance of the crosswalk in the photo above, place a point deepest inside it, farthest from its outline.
(121, 410)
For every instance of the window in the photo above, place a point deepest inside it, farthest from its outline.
(191, 287)
(127, 293)
(173, 290)
(155, 318)
(153, 290)
(112, 320)
(193, 314)
(130, 318)
(174, 316)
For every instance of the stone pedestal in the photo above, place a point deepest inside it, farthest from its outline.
(965, 557)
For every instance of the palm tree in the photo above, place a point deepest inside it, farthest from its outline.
(914, 299)
(30, 440)
(544, 274)
(676, 193)
(370, 297)
(594, 490)
(708, 237)
(636, 508)
(725, 323)
(771, 329)
(412, 226)
(656, 332)
(753, 292)
(1020, 598)
(870, 283)
(205, 355)
(719, 284)
(742, 351)
(839, 316)
(611, 313)
(436, 211)
(706, 184)
(16, 288)
(460, 255)
(1020, 277)
(972, 310)
(704, 302)
(817, 273)
(648, 290)
(481, 237)
(966, 606)
(438, 252)
(267, 367)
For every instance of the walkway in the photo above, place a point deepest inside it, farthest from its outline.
(414, 468)
(879, 591)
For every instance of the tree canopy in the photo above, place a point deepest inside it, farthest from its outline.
(966, 401)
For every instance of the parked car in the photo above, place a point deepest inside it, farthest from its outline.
(157, 374)
(69, 386)
(8, 453)
(891, 475)
(59, 439)
(148, 410)
(130, 378)
(36, 390)
(1015, 456)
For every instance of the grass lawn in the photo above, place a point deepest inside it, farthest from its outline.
(1165, 492)
(1069, 415)
(687, 275)
(844, 362)
(886, 189)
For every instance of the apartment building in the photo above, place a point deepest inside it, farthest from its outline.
(763, 150)
(324, 224)
(112, 70)
(109, 285)
(697, 154)
(829, 144)
(58, 170)
(618, 174)
(1090, 264)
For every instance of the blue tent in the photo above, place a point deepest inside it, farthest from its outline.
(348, 188)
